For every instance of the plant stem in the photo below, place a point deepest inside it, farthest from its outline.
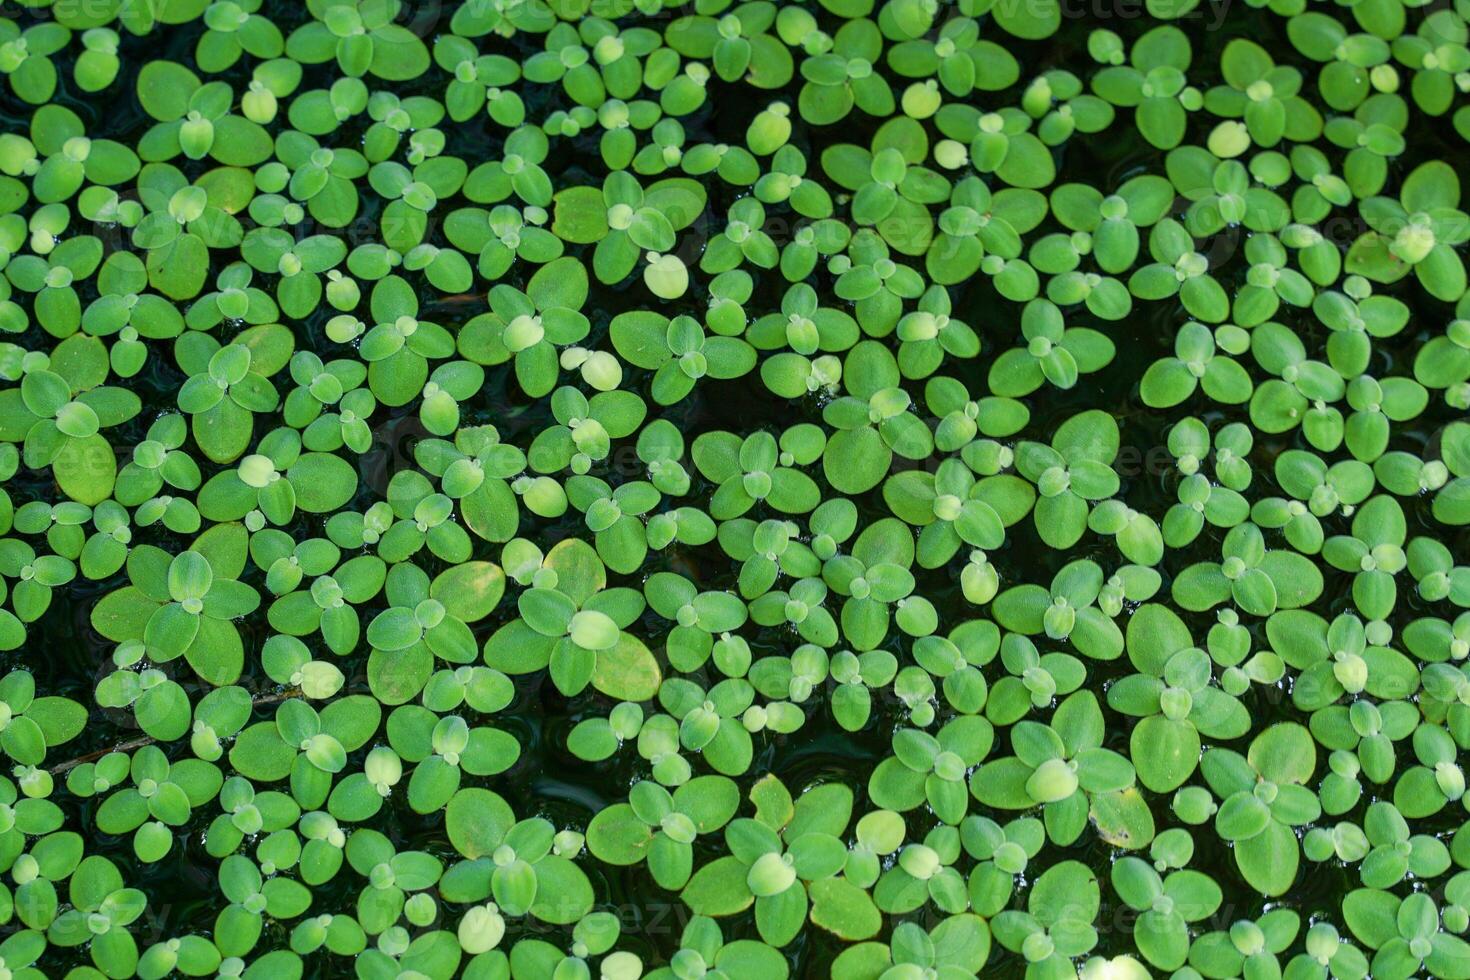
(138, 743)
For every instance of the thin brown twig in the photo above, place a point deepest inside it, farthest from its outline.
(141, 741)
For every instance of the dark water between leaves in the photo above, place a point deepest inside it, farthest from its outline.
(68, 657)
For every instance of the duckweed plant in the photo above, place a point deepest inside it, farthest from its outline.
(879, 489)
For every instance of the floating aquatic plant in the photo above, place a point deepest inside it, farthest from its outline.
(873, 490)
